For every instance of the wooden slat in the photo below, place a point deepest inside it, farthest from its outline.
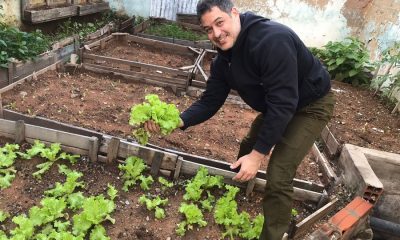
(127, 149)
(92, 8)
(50, 14)
(93, 149)
(156, 163)
(250, 187)
(55, 136)
(197, 44)
(98, 42)
(65, 148)
(191, 168)
(332, 145)
(19, 131)
(1, 107)
(131, 63)
(226, 167)
(326, 168)
(178, 168)
(175, 48)
(48, 123)
(112, 150)
(142, 78)
(307, 223)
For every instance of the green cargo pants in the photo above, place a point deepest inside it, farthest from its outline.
(299, 136)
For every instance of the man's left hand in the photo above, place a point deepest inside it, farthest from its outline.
(250, 164)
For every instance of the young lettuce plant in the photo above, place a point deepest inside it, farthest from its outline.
(193, 215)
(164, 114)
(51, 154)
(156, 204)
(8, 155)
(132, 172)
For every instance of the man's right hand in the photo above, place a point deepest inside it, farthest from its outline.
(153, 127)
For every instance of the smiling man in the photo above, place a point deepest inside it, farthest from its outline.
(275, 74)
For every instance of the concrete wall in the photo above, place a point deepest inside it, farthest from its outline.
(11, 13)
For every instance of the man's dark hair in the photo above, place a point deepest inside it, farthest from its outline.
(204, 6)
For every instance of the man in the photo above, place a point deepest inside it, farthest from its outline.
(276, 75)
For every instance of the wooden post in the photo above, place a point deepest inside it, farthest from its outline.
(156, 163)
(93, 149)
(178, 168)
(112, 151)
(19, 131)
(250, 187)
(10, 71)
(1, 107)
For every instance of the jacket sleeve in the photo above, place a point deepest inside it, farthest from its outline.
(212, 99)
(279, 74)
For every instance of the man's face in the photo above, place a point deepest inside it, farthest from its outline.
(222, 28)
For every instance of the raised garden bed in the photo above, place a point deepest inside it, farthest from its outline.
(142, 30)
(141, 59)
(46, 11)
(98, 175)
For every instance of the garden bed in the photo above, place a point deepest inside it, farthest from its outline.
(141, 59)
(174, 32)
(133, 221)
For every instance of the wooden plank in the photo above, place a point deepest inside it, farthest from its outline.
(250, 187)
(326, 168)
(175, 48)
(93, 149)
(65, 148)
(7, 126)
(197, 44)
(307, 223)
(127, 149)
(106, 40)
(126, 24)
(332, 145)
(112, 150)
(226, 167)
(156, 163)
(136, 76)
(56, 136)
(93, 8)
(178, 168)
(95, 57)
(191, 168)
(47, 15)
(19, 131)
(1, 107)
(26, 68)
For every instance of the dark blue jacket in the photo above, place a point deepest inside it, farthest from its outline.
(273, 72)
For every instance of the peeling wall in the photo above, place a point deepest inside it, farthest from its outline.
(11, 13)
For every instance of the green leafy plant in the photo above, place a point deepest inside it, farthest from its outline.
(193, 215)
(163, 114)
(195, 187)
(8, 154)
(20, 45)
(3, 216)
(154, 204)
(165, 183)
(347, 61)
(133, 169)
(51, 154)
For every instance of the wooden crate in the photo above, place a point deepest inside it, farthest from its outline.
(140, 28)
(39, 11)
(177, 79)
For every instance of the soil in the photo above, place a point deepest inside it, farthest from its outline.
(102, 103)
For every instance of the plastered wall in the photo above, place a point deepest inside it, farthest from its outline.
(11, 13)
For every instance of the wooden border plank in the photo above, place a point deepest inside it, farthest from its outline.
(307, 223)
(65, 148)
(191, 168)
(55, 136)
(95, 57)
(178, 49)
(127, 149)
(178, 168)
(326, 168)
